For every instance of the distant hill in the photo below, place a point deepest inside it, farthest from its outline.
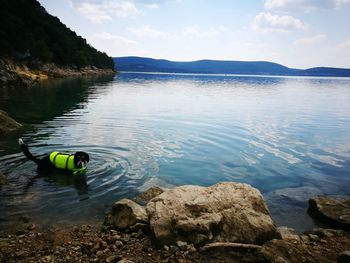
(28, 31)
(141, 64)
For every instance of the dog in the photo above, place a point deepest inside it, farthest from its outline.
(75, 163)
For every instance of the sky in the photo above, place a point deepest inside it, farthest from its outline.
(295, 33)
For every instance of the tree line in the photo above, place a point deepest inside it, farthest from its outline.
(27, 29)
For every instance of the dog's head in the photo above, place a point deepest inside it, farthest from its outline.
(81, 159)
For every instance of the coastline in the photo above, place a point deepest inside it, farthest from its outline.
(14, 73)
(137, 241)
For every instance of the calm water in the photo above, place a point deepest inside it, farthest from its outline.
(288, 137)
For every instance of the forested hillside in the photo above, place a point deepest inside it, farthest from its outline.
(141, 64)
(27, 30)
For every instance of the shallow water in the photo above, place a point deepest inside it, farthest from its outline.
(288, 137)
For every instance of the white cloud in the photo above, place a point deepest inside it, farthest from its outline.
(196, 31)
(192, 31)
(147, 31)
(265, 22)
(310, 41)
(302, 5)
(114, 38)
(99, 12)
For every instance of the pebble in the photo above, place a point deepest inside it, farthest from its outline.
(181, 244)
(118, 243)
(110, 259)
(313, 238)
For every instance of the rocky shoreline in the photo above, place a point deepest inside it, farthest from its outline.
(22, 74)
(151, 231)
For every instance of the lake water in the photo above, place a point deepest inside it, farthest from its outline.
(288, 137)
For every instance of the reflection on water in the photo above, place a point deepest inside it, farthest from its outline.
(289, 137)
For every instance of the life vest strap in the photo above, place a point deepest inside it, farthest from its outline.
(54, 159)
(67, 160)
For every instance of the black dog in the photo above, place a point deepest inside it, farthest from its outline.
(69, 162)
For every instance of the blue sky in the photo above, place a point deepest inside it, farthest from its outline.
(295, 33)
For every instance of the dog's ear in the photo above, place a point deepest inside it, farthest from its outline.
(87, 157)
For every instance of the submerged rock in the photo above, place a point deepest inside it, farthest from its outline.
(7, 124)
(332, 211)
(225, 212)
(146, 196)
(126, 213)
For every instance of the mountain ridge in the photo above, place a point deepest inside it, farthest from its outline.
(207, 66)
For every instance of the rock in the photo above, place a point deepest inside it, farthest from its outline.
(288, 233)
(7, 124)
(145, 197)
(110, 259)
(126, 213)
(125, 261)
(295, 194)
(225, 212)
(31, 227)
(344, 257)
(332, 211)
(181, 244)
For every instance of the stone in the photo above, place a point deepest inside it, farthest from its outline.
(7, 124)
(181, 244)
(224, 212)
(334, 212)
(146, 196)
(110, 259)
(126, 213)
(125, 261)
(344, 257)
(288, 233)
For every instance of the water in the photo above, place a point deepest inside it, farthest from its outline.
(288, 137)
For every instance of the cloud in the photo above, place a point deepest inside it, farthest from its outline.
(302, 5)
(192, 31)
(196, 31)
(147, 31)
(265, 22)
(99, 12)
(114, 38)
(310, 41)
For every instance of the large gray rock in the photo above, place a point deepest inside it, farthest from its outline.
(7, 123)
(126, 213)
(332, 211)
(225, 212)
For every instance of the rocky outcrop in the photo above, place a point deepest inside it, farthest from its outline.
(20, 74)
(125, 214)
(7, 124)
(225, 212)
(332, 211)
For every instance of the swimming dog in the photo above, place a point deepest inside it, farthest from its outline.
(75, 163)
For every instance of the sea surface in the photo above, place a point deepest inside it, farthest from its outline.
(287, 136)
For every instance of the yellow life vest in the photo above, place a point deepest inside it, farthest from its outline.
(64, 161)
